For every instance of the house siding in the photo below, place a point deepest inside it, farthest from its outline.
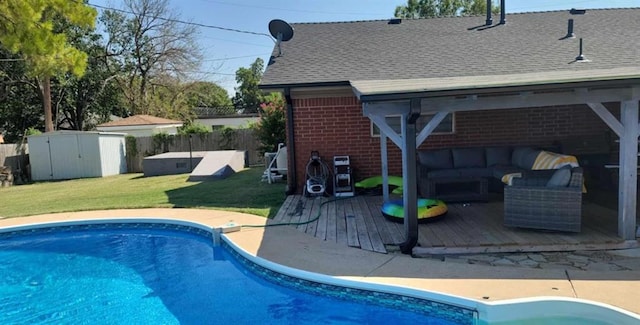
(336, 126)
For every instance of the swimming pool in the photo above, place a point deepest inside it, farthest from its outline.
(169, 274)
(95, 270)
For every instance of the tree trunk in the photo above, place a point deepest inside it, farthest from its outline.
(46, 103)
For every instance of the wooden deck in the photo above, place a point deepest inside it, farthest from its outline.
(467, 228)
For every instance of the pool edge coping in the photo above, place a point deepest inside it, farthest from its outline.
(488, 310)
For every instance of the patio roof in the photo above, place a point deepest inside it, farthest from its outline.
(374, 90)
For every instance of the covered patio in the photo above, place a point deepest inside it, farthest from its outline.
(591, 88)
(468, 228)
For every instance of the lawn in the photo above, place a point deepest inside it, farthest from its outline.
(241, 192)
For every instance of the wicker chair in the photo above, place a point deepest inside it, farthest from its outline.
(529, 203)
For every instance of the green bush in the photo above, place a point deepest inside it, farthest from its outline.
(194, 128)
(132, 145)
(270, 129)
(227, 136)
(32, 131)
(161, 142)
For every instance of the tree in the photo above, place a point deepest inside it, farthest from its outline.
(27, 28)
(20, 100)
(207, 94)
(83, 102)
(248, 96)
(153, 54)
(442, 8)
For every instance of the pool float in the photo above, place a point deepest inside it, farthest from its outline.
(375, 181)
(428, 210)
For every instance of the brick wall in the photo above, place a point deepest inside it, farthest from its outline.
(336, 126)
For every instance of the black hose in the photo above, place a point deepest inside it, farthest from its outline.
(302, 222)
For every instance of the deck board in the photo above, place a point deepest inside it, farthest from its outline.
(475, 228)
(313, 214)
(330, 231)
(305, 214)
(295, 210)
(286, 205)
(361, 227)
(385, 232)
(371, 228)
(352, 227)
(341, 223)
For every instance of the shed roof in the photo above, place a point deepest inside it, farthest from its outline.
(457, 48)
(141, 120)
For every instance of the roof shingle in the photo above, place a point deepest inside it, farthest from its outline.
(455, 47)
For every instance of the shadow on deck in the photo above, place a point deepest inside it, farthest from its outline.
(466, 229)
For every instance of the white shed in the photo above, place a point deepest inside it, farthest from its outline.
(75, 154)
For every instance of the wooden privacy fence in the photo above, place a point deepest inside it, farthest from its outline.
(14, 156)
(236, 139)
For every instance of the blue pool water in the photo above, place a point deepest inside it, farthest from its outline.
(161, 276)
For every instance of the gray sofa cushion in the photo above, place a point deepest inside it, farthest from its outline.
(498, 156)
(524, 157)
(560, 177)
(435, 159)
(468, 157)
(475, 172)
(443, 173)
(460, 172)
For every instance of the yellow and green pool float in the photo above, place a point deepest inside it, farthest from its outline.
(428, 210)
(375, 181)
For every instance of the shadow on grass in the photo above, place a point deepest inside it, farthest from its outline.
(242, 192)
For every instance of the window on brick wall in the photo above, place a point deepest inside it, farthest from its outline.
(445, 127)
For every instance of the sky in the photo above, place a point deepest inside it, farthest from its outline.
(225, 51)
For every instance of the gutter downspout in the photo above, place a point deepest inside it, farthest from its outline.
(291, 150)
(409, 177)
(489, 20)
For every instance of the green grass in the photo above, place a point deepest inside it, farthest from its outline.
(241, 192)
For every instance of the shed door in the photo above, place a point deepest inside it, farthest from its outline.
(65, 156)
(40, 158)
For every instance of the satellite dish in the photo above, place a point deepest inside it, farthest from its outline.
(281, 31)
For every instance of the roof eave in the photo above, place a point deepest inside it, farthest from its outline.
(282, 86)
(482, 90)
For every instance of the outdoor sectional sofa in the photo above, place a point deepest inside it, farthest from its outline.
(465, 174)
(549, 199)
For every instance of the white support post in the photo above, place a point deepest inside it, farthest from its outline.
(385, 129)
(385, 166)
(377, 113)
(430, 127)
(607, 117)
(628, 177)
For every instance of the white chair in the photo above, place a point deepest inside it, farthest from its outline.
(277, 167)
